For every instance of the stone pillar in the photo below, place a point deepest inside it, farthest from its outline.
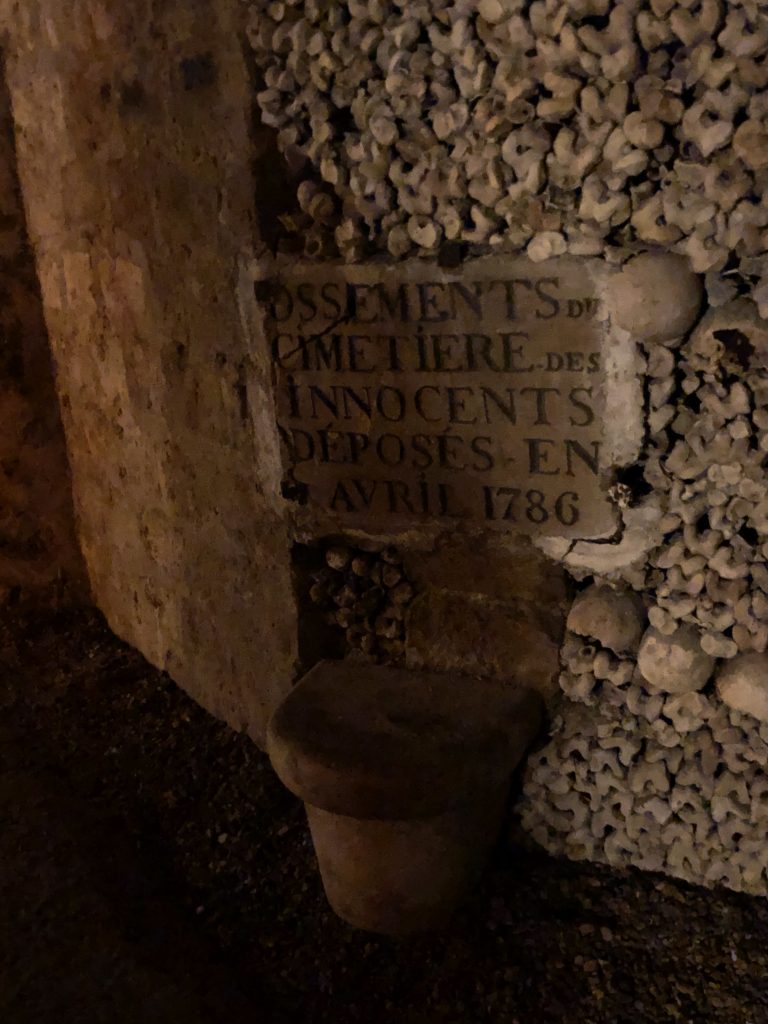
(39, 554)
(133, 125)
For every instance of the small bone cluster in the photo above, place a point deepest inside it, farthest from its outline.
(365, 594)
(651, 761)
(708, 424)
(558, 126)
(617, 788)
(659, 757)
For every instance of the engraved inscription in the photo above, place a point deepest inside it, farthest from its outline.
(409, 393)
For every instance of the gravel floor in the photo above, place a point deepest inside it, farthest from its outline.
(152, 869)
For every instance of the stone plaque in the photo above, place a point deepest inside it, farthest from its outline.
(409, 393)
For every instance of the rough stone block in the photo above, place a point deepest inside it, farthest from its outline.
(404, 776)
(449, 632)
(140, 214)
(504, 570)
(377, 742)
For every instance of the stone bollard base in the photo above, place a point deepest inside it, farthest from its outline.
(404, 776)
(402, 876)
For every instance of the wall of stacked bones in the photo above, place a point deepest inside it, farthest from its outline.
(600, 129)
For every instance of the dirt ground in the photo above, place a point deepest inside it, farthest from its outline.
(154, 871)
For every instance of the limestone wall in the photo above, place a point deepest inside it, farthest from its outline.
(39, 556)
(134, 153)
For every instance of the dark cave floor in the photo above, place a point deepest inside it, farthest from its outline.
(152, 869)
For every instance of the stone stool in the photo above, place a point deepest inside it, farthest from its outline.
(405, 777)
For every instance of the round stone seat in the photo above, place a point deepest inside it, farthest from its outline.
(377, 742)
(404, 776)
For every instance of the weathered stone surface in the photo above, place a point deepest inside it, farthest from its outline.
(451, 632)
(638, 535)
(411, 393)
(512, 570)
(135, 158)
(655, 297)
(398, 877)
(674, 663)
(371, 741)
(39, 553)
(742, 684)
(616, 618)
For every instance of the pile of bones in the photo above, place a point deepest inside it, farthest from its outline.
(552, 126)
(592, 128)
(658, 754)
